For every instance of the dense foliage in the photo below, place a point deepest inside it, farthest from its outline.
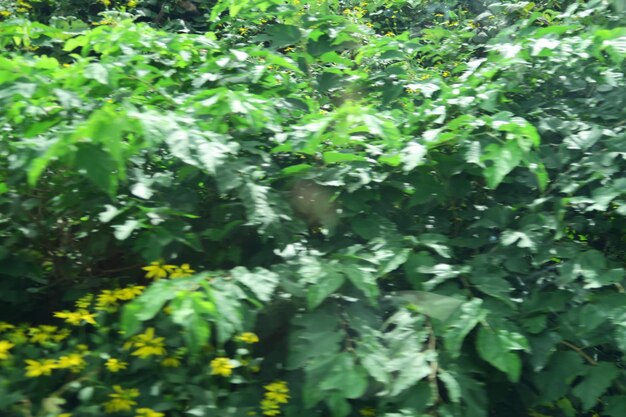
(309, 208)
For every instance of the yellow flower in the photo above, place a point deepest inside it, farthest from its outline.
(183, 271)
(115, 365)
(147, 412)
(129, 293)
(106, 299)
(445, 74)
(171, 362)
(248, 337)
(5, 346)
(6, 326)
(277, 386)
(157, 270)
(131, 4)
(61, 335)
(5, 13)
(76, 317)
(84, 302)
(148, 345)
(38, 368)
(243, 30)
(278, 397)
(73, 361)
(270, 408)
(121, 399)
(390, 34)
(221, 366)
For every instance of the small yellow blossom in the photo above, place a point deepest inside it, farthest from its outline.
(61, 335)
(390, 34)
(129, 293)
(171, 362)
(131, 4)
(248, 337)
(73, 361)
(425, 76)
(75, 318)
(243, 30)
(367, 412)
(115, 365)
(221, 366)
(5, 346)
(6, 326)
(121, 399)
(5, 13)
(183, 271)
(147, 345)
(38, 368)
(84, 302)
(445, 74)
(106, 299)
(270, 408)
(148, 412)
(157, 270)
(369, 25)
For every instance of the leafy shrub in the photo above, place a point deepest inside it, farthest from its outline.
(394, 208)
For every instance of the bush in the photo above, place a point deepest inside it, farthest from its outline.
(348, 208)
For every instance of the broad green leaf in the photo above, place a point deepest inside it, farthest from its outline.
(460, 324)
(260, 281)
(595, 384)
(496, 346)
(437, 306)
(325, 285)
(500, 161)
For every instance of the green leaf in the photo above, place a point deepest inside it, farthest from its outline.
(283, 35)
(496, 346)
(503, 159)
(460, 324)
(333, 157)
(99, 167)
(97, 72)
(260, 281)
(596, 382)
(439, 307)
(324, 286)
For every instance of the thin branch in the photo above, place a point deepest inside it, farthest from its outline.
(581, 352)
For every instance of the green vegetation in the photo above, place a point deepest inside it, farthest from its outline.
(312, 208)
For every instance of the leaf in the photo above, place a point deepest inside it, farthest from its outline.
(98, 72)
(346, 377)
(439, 307)
(596, 382)
(496, 346)
(413, 155)
(363, 279)
(452, 385)
(327, 284)
(460, 324)
(283, 35)
(503, 160)
(123, 231)
(99, 167)
(260, 281)
(333, 157)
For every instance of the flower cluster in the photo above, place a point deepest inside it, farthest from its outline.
(222, 366)
(146, 344)
(276, 393)
(121, 399)
(158, 270)
(74, 362)
(248, 337)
